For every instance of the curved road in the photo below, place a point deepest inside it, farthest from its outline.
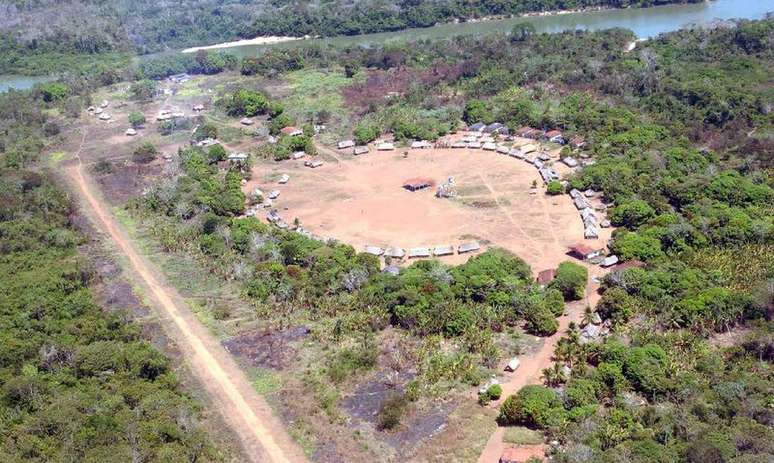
(260, 433)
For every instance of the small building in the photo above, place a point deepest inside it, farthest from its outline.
(496, 128)
(543, 156)
(486, 139)
(344, 144)
(609, 261)
(591, 232)
(577, 142)
(104, 104)
(104, 117)
(538, 164)
(421, 145)
(502, 149)
(90, 109)
(237, 157)
(584, 251)
(555, 136)
(474, 145)
(523, 131)
(586, 213)
(393, 270)
(418, 252)
(374, 250)
(516, 153)
(298, 155)
(131, 132)
(513, 364)
(574, 193)
(477, 127)
(459, 144)
(414, 184)
(285, 178)
(546, 276)
(246, 121)
(529, 148)
(605, 224)
(207, 142)
(489, 146)
(385, 146)
(198, 107)
(360, 150)
(470, 246)
(443, 250)
(394, 252)
(581, 203)
(291, 131)
(273, 194)
(629, 264)
(570, 162)
(314, 164)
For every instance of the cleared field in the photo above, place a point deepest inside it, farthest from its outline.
(360, 201)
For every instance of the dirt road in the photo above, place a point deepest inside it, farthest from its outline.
(260, 433)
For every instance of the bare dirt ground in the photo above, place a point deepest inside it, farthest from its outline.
(360, 201)
(260, 433)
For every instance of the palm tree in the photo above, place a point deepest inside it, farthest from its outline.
(588, 316)
(554, 376)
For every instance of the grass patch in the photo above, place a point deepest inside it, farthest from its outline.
(741, 269)
(264, 380)
(313, 91)
(522, 436)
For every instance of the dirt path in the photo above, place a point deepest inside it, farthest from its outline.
(530, 371)
(260, 433)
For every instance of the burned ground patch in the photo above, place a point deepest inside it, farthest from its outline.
(418, 424)
(266, 348)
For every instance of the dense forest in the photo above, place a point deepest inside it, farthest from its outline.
(77, 383)
(66, 30)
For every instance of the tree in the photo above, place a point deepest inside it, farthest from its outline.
(535, 406)
(540, 321)
(477, 111)
(554, 375)
(570, 280)
(54, 91)
(136, 119)
(616, 305)
(143, 90)
(632, 214)
(244, 102)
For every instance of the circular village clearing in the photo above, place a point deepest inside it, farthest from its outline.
(386, 200)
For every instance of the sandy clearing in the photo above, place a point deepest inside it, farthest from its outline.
(359, 201)
(251, 419)
(238, 43)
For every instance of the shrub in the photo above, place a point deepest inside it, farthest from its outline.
(136, 119)
(145, 153)
(216, 153)
(391, 412)
(554, 187)
(571, 280)
(205, 131)
(366, 132)
(645, 367)
(54, 91)
(494, 391)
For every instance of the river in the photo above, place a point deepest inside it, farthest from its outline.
(644, 22)
(8, 82)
